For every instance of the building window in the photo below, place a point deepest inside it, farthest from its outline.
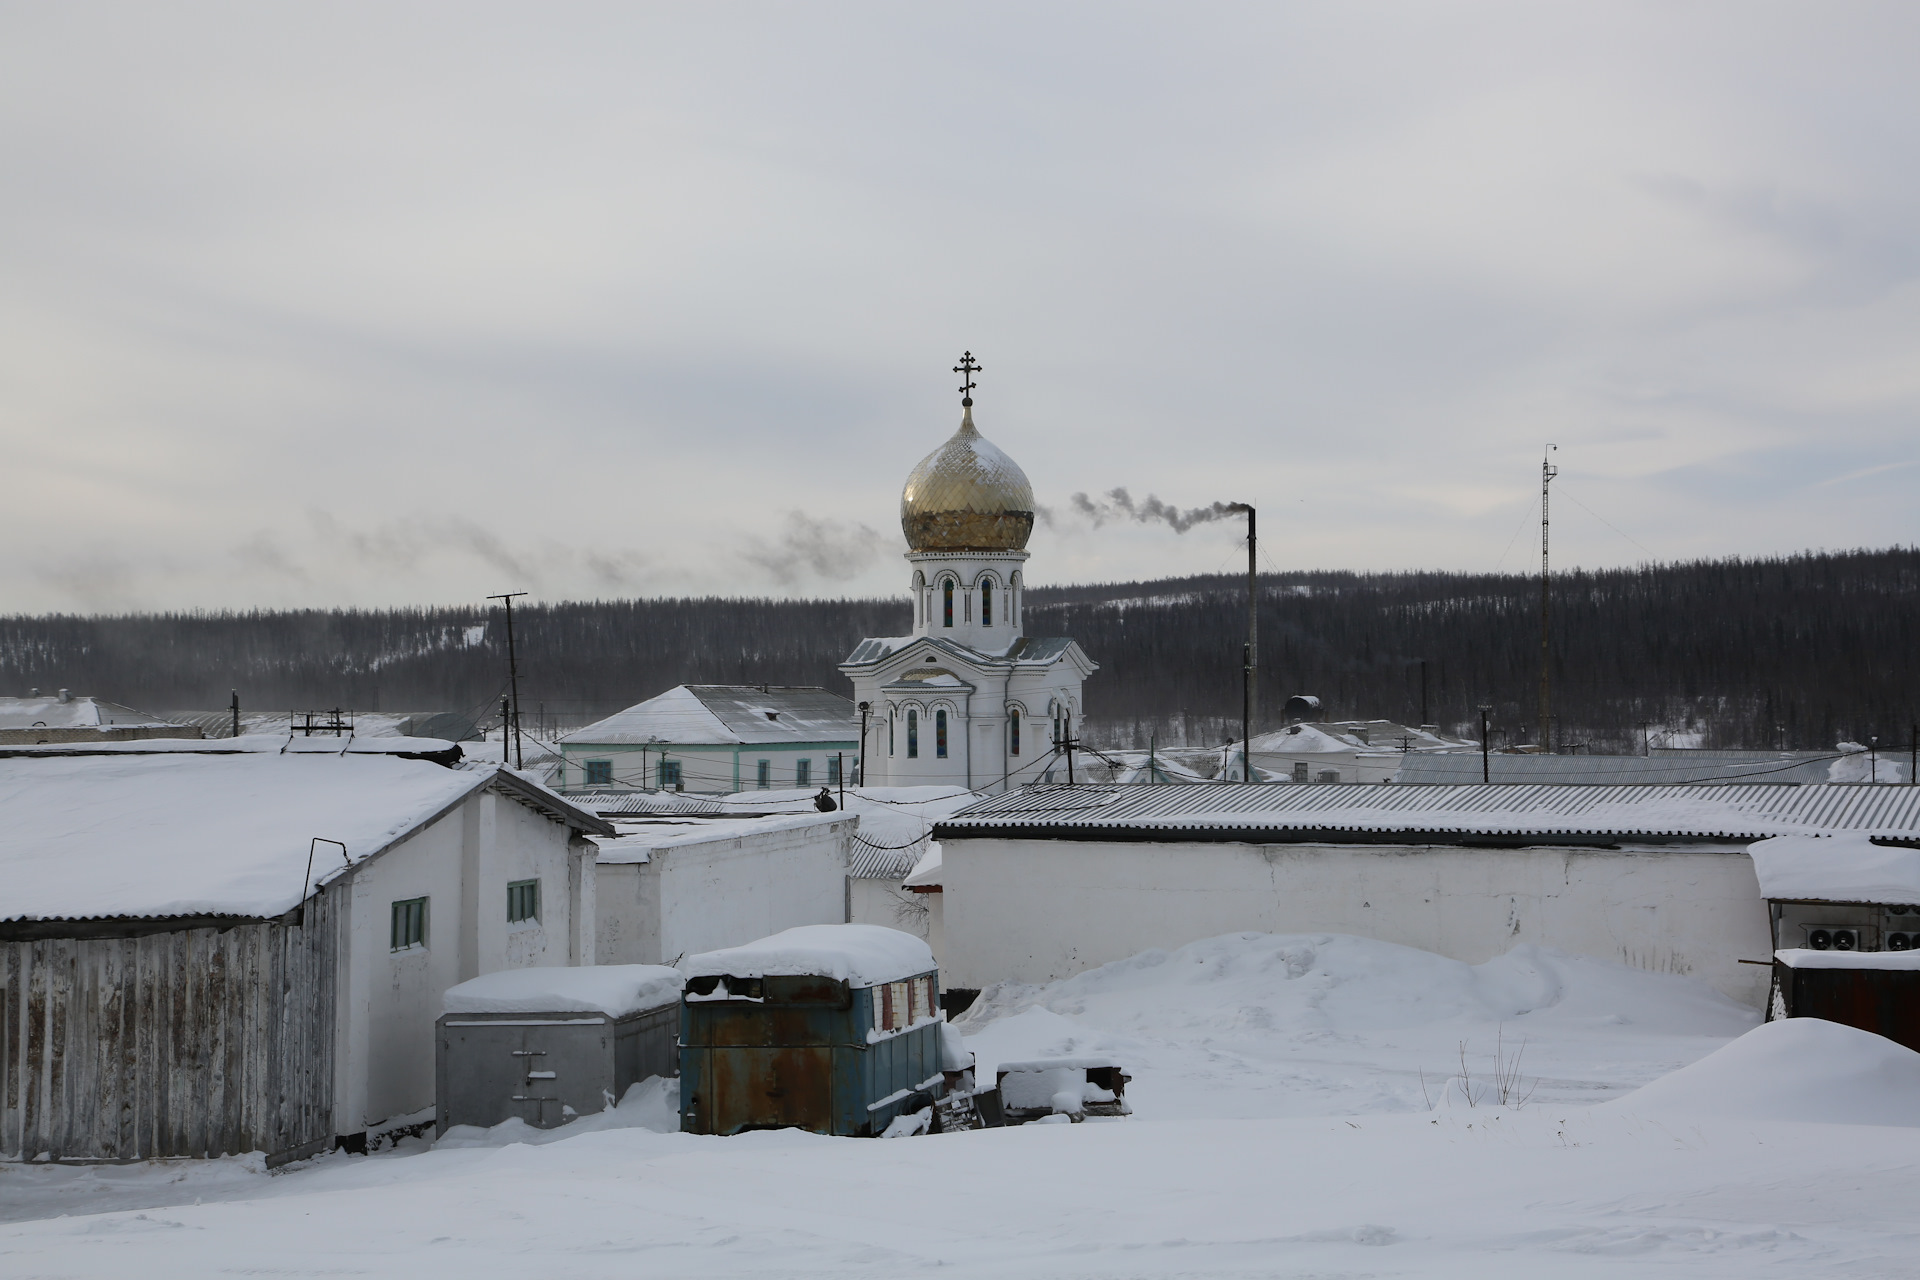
(1299, 770)
(986, 604)
(946, 595)
(523, 900)
(669, 774)
(409, 924)
(766, 774)
(890, 719)
(940, 734)
(913, 735)
(1013, 730)
(833, 771)
(803, 773)
(599, 773)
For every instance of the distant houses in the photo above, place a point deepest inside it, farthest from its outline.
(717, 738)
(208, 953)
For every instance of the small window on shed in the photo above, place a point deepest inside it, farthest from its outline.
(766, 774)
(409, 924)
(599, 773)
(1299, 770)
(833, 771)
(803, 773)
(898, 1003)
(922, 997)
(523, 900)
(669, 773)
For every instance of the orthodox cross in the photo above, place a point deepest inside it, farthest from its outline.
(968, 366)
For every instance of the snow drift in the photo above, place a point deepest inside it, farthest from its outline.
(1804, 1069)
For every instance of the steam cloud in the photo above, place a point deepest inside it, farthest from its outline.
(1118, 504)
(824, 548)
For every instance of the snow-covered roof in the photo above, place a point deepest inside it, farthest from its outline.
(1695, 768)
(863, 955)
(1803, 958)
(1022, 651)
(637, 844)
(926, 872)
(73, 713)
(1840, 868)
(725, 715)
(178, 834)
(1354, 735)
(437, 749)
(1736, 814)
(613, 989)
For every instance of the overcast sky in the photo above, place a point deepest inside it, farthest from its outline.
(399, 303)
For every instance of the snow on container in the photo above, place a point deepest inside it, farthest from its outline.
(1072, 1087)
(547, 1044)
(1877, 991)
(831, 1028)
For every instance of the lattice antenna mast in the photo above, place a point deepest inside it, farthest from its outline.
(1547, 472)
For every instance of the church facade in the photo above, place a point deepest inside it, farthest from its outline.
(968, 699)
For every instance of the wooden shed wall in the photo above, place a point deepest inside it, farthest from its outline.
(195, 1042)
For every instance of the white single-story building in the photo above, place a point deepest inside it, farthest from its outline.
(673, 887)
(1344, 751)
(717, 738)
(1049, 881)
(216, 952)
(66, 717)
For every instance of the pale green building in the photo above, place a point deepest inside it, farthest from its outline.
(717, 738)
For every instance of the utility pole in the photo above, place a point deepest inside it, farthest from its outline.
(1913, 754)
(860, 760)
(506, 743)
(1873, 758)
(513, 677)
(236, 713)
(1250, 659)
(840, 758)
(1547, 472)
(1486, 760)
(1646, 739)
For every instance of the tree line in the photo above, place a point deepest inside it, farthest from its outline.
(1796, 651)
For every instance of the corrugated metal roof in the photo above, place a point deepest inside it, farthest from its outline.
(1741, 812)
(1575, 770)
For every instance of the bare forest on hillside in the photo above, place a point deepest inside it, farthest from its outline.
(1795, 652)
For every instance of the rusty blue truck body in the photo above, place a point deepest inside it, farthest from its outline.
(807, 1051)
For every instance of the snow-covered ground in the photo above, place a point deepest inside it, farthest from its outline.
(1281, 1128)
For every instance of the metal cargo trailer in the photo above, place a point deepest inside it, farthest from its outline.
(546, 1045)
(844, 1049)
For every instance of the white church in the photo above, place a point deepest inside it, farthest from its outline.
(968, 699)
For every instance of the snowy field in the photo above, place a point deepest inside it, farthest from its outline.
(1301, 1111)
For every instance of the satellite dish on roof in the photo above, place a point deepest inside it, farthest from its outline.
(1301, 706)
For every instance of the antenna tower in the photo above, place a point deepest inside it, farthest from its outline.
(1547, 472)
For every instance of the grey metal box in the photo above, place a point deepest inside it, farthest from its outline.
(546, 1068)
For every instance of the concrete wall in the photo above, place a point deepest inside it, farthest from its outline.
(1038, 910)
(722, 892)
(885, 903)
(389, 999)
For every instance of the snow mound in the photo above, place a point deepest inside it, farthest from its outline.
(652, 1104)
(613, 989)
(1803, 1069)
(864, 955)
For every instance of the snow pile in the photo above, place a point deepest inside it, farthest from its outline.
(1804, 1069)
(1859, 763)
(652, 1104)
(1253, 1024)
(864, 955)
(1842, 868)
(926, 872)
(613, 989)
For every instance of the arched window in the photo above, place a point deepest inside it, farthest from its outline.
(946, 594)
(940, 734)
(986, 603)
(913, 735)
(891, 716)
(1013, 730)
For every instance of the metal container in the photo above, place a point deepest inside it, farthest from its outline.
(1883, 1001)
(807, 1052)
(546, 1068)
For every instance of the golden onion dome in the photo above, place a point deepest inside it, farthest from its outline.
(967, 496)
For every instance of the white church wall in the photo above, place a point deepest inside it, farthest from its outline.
(1039, 910)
